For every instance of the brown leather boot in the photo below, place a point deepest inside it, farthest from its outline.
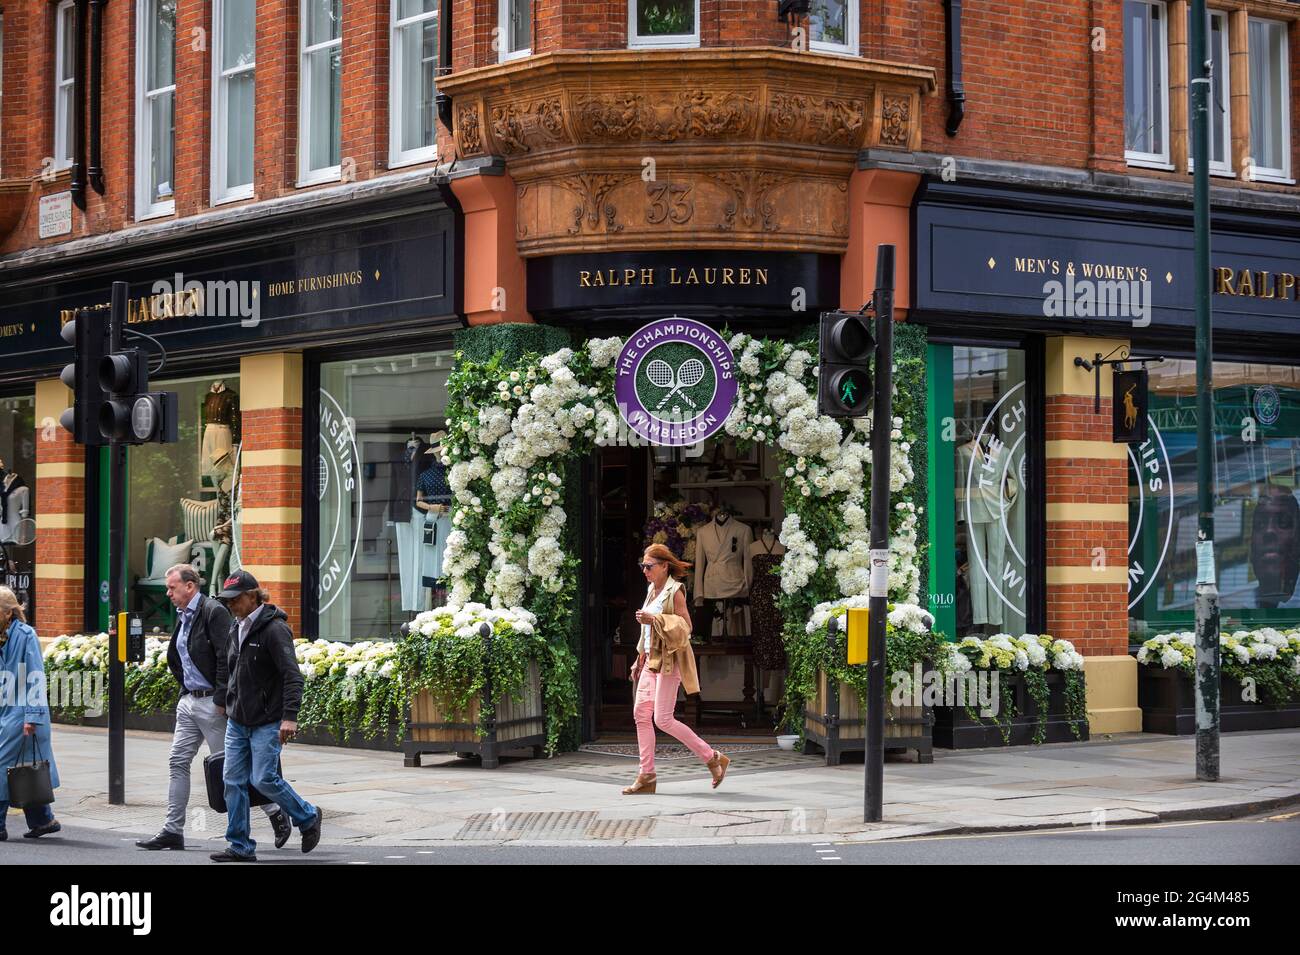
(718, 767)
(644, 785)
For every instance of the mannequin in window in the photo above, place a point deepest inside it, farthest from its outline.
(14, 503)
(986, 489)
(723, 567)
(404, 472)
(769, 648)
(408, 521)
(433, 500)
(220, 425)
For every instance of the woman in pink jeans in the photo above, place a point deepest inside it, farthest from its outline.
(656, 693)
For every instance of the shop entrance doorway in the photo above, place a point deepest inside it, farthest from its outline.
(720, 508)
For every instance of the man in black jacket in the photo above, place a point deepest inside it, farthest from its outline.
(196, 655)
(262, 700)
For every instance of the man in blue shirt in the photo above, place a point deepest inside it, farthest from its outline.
(195, 656)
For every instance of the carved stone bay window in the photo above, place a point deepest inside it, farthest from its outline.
(659, 149)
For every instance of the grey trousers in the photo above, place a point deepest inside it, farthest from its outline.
(197, 722)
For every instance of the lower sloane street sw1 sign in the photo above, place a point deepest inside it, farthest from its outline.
(674, 382)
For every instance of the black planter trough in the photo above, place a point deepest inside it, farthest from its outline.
(1168, 701)
(954, 728)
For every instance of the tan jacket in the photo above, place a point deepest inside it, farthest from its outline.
(722, 560)
(671, 648)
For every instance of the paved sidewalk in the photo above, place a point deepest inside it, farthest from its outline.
(370, 798)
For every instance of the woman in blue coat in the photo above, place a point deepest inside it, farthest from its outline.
(24, 715)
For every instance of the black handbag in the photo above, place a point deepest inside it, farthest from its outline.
(216, 785)
(29, 783)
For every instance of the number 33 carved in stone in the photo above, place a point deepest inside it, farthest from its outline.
(669, 202)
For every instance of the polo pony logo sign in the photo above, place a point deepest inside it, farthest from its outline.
(674, 382)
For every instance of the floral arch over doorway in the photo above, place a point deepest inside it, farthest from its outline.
(517, 425)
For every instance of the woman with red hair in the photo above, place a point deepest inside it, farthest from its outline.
(664, 661)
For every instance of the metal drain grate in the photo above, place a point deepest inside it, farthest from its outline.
(620, 828)
(531, 825)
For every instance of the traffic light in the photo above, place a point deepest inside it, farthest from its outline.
(111, 396)
(844, 365)
(131, 413)
(87, 334)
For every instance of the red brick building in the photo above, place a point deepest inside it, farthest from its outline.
(1001, 146)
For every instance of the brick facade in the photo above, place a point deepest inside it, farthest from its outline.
(60, 489)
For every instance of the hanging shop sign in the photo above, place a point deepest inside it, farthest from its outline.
(675, 382)
(1129, 406)
(1076, 262)
(740, 285)
(317, 280)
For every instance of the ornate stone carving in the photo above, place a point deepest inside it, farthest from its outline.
(749, 203)
(535, 126)
(752, 147)
(614, 119)
(521, 230)
(593, 189)
(692, 114)
(704, 115)
(895, 120)
(468, 132)
(818, 120)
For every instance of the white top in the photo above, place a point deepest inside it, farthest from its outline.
(246, 624)
(654, 605)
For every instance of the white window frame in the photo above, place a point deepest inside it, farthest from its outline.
(681, 40)
(1225, 131)
(1154, 160)
(145, 207)
(64, 90)
(306, 175)
(396, 155)
(850, 45)
(220, 104)
(505, 54)
(1261, 173)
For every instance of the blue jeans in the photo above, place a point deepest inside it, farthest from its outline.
(36, 815)
(253, 755)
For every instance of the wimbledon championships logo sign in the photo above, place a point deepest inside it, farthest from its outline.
(674, 382)
(339, 492)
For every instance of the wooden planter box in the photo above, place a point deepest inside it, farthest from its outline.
(1168, 701)
(164, 721)
(517, 725)
(835, 723)
(954, 728)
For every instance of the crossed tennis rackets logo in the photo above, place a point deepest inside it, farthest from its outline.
(662, 375)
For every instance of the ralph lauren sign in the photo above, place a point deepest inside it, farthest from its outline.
(617, 285)
(1071, 261)
(246, 291)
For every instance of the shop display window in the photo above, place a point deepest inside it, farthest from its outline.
(1256, 499)
(183, 499)
(18, 499)
(981, 496)
(383, 503)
